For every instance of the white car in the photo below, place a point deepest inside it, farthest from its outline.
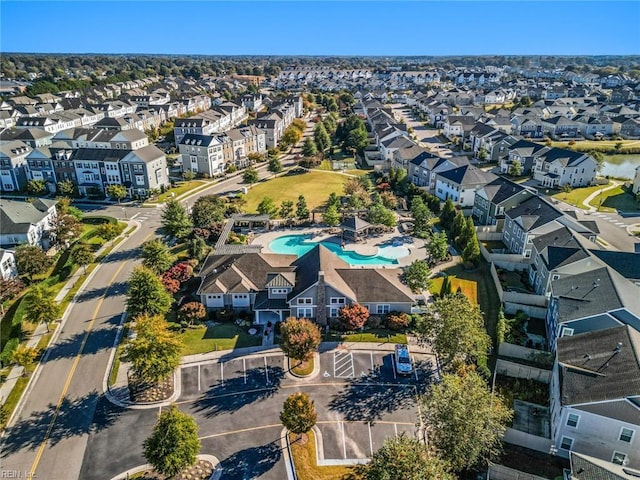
(403, 360)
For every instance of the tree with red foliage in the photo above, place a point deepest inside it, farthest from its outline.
(172, 285)
(354, 316)
(181, 272)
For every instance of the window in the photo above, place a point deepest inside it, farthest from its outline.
(626, 434)
(619, 458)
(566, 443)
(527, 253)
(305, 312)
(566, 332)
(333, 312)
(572, 420)
(554, 277)
(382, 309)
(306, 300)
(337, 300)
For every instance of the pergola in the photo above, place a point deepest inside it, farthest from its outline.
(354, 228)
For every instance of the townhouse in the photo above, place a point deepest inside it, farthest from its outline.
(496, 197)
(8, 269)
(557, 167)
(461, 183)
(13, 161)
(26, 222)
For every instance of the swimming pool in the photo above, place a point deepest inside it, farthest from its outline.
(302, 243)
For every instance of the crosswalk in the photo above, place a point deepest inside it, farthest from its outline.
(614, 221)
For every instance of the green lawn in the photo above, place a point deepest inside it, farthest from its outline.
(380, 335)
(469, 288)
(600, 145)
(181, 188)
(577, 195)
(315, 186)
(304, 459)
(219, 337)
(358, 172)
(616, 199)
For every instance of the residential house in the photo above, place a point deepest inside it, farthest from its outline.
(586, 467)
(8, 268)
(458, 126)
(201, 154)
(13, 161)
(496, 197)
(26, 222)
(461, 183)
(315, 285)
(636, 181)
(144, 170)
(595, 395)
(557, 167)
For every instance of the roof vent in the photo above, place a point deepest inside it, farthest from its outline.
(618, 347)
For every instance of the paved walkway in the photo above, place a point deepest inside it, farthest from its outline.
(587, 201)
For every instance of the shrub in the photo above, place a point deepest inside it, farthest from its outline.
(7, 354)
(397, 320)
(336, 324)
(374, 322)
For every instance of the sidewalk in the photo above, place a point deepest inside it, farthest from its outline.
(587, 201)
(17, 371)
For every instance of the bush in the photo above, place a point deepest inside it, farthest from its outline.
(374, 322)
(397, 321)
(276, 328)
(7, 354)
(335, 324)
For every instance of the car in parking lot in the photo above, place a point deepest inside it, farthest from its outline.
(403, 360)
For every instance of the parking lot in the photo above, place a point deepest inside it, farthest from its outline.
(359, 397)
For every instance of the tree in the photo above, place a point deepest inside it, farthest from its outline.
(299, 338)
(502, 326)
(422, 217)
(379, 214)
(40, 306)
(298, 413)
(566, 189)
(309, 148)
(291, 136)
(192, 312)
(267, 207)
(25, 356)
(302, 211)
(208, 210)
(515, 169)
(108, 231)
(156, 256)
(36, 187)
(471, 251)
(353, 185)
(65, 229)
(416, 276)
(438, 247)
(274, 165)
(31, 260)
(66, 188)
(197, 248)
(188, 175)
(9, 288)
(331, 216)
(117, 191)
(82, 255)
(146, 294)
(250, 176)
(482, 154)
(406, 458)
(447, 214)
(354, 316)
(173, 444)
(389, 200)
(321, 137)
(456, 330)
(286, 209)
(256, 157)
(446, 287)
(467, 422)
(155, 352)
(175, 220)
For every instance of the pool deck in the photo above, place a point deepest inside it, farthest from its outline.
(368, 248)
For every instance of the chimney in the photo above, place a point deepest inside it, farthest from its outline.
(321, 300)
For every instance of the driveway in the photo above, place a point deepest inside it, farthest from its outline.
(359, 398)
(427, 137)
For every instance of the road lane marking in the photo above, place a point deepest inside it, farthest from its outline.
(244, 370)
(242, 430)
(395, 427)
(74, 366)
(372, 365)
(222, 373)
(344, 441)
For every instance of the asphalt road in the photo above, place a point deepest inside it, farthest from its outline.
(50, 432)
(359, 399)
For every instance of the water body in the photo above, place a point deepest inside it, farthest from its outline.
(620, 166)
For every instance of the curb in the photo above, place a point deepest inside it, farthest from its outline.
(286, 447)
(314, 373)
(209, 458)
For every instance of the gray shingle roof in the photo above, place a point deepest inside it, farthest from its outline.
(468, 175)
(594, 369)
(534, 212)
(584, 467)
(626, 264)
(17, 216)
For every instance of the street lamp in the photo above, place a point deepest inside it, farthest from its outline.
(124, 212)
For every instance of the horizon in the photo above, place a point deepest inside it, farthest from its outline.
(375, 29)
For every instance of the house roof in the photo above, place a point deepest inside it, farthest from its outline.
(145, 154)
(562, 237)
(501, 189)
(533, 213)
(594, 292)
(468, 175)
(622, 410)
(526, 148)
(16, 216)
(376, 285)
(354, 223)
(558, 257)
(626, 264)
(599, 366)
(585, 467)
(320, 259)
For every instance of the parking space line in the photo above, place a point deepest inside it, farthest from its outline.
(198, 377)
(415, 370)
(372, 366)
(266, 371)
(395, 427)
(244, 368)
(393, 369)
(370, 439)
(222, 373)
(344, 441)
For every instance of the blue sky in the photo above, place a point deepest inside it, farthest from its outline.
(322, 28)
